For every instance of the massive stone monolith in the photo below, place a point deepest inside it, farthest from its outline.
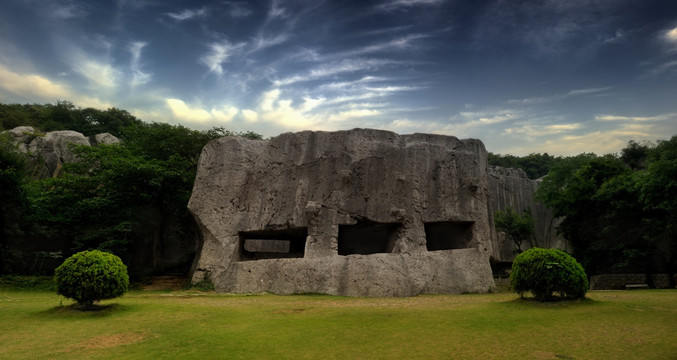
(359, 213)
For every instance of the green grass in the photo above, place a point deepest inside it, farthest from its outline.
(188, 324)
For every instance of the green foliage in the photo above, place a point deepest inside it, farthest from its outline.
(116, 197)
(13, 167)
(534, 165)
(65, 116)
(39, 283)
(90, 276)
(618, 212)
(546, 272)
(635, 154)
(517, 227)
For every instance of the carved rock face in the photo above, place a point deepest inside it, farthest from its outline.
(359, 212)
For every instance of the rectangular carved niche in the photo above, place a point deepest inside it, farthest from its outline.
(367, 237)
(448, 235)
(273, 244)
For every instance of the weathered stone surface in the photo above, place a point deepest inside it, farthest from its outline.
(367, 213)
(21, 135)
(512, 188)
(104, 138)
(51, 150)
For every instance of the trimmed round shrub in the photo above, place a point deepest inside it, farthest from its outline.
(90, 276)
(548, 274)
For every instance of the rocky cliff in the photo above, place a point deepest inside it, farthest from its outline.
(512, 188)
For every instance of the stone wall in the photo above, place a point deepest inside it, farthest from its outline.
(365, 212)
(620, 281)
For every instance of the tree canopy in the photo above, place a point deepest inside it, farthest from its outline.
(534, 165)
(517, 227)
(116, 198)
(618, 214)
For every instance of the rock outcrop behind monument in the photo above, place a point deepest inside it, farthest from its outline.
(359, 212)
(511, 188)
(49, 151)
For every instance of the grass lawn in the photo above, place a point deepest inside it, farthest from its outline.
(642, 324)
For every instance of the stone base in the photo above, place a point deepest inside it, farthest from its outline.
(442, 272)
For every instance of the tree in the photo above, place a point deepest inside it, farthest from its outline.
(618, 212)
(546, 272)
(127, 195)
(658, 198)
(517, 227)
(12, 177)
(90, 276)
(634, 155)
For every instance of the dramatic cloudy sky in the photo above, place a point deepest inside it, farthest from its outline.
(554, 76)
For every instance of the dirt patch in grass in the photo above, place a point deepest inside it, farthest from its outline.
(108, 341)
(163, 283)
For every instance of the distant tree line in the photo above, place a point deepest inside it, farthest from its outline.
(116, 198)
(534, 165)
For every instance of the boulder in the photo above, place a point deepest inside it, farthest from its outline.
(53, 148)
(22, 136)
(104, 138)
(49, 151)
(360, 212)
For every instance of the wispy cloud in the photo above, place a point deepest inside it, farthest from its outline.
(662, 117)
(401, 43)
(193, 114)
(276, 10)
(618, 37)
(139, 77)
(101, 75)
(238, 10)
(534, 130)
(218, 54)
(334, 68)
(68, 11)
(261, 42)
(557, 97)
(399, 4)
(664, 68)
(187, 14)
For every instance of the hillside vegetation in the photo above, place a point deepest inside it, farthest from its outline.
(619, 210)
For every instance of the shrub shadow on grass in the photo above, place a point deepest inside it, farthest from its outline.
(556, 302)
(74, 310)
